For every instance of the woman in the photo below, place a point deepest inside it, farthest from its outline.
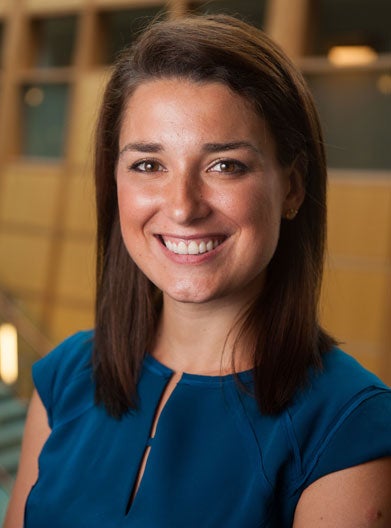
(208, 395)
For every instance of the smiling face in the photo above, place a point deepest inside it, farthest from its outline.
(200, 191)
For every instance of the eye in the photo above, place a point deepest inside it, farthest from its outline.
(147, 166)
(228, 166)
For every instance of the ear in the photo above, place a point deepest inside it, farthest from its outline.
(295, 193)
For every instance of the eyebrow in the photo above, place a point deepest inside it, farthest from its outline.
(142, 147)
(153, 148)
(221, 147)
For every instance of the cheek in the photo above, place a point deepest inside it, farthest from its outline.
(135, 207)
(262, 219)
(261, 209)
(131, 221)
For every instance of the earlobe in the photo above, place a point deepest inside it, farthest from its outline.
(296, 193)
(290, 214)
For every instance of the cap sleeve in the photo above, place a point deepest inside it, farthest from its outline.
(363, 436)
(341, 420)
(58, 370)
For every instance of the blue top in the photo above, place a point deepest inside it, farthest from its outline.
(215, 460)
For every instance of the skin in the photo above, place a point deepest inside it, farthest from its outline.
(36, 432)
(358, 497)
(171, 183)
(189, 194)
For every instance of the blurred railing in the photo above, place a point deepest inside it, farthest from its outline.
(30, 333)
(32, 344)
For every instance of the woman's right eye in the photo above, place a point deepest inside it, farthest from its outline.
(147, 166)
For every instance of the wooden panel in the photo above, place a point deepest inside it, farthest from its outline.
(4, 6)
(111, 4)
(356, 297)
(42, 6)
(29, 195)
(87, 96)
(354, 303)
(23, 261)
(77, 267)
(288, 30)
(360, 218)
(80, 212)
(68, 320)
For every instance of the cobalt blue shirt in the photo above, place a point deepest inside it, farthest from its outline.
(215, 460)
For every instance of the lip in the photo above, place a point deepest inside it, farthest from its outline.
(198, 236)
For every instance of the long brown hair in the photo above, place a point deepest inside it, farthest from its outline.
(281, 328)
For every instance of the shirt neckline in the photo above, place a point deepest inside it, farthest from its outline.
(159, 368)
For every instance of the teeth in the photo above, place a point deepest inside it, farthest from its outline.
(182, 248)
(202, 247)
(192, 248)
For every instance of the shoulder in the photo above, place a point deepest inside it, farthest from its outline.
(344, 372)
(67, 366)
(341, 381)
(69, 358)
(332, 421)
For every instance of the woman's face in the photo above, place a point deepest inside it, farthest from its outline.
(200, 191)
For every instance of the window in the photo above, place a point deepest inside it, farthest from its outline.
(55, 41)
(355, 109)
(45, 93)
(119, 28)
(251, 11)
(352, 22)
(44, 109)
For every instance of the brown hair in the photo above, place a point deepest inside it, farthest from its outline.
(281, 328)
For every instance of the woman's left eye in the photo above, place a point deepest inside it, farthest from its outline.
(228, 166)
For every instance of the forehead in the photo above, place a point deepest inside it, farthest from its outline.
(210, 107)
(165, 85)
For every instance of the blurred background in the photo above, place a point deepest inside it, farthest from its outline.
(55, 56)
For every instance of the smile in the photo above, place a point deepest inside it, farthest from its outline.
(191, 247)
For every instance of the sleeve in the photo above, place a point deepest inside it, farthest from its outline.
(364, 435)
(343, 419)
(54, 373)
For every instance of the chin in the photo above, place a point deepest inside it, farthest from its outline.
(186, 294)
(188, 297)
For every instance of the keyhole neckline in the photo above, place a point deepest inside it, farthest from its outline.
(155, 366)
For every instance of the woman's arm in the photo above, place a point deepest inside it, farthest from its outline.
(36, 432)
(358, 497)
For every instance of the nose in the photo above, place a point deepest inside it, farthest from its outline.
(186, 199)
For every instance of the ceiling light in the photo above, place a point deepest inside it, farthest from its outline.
(351, 55)
(8, 353)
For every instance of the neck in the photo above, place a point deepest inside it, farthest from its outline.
(198, 338)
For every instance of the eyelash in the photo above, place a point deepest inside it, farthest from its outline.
(240, 168)
(137, 166)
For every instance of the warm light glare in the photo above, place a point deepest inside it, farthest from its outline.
(351, 55)
(8, 353)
